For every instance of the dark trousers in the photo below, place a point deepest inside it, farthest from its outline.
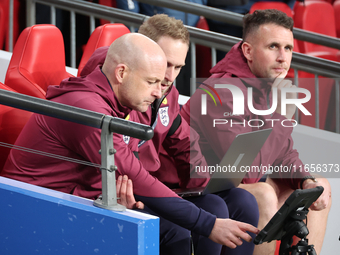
(173, 239)
(236, 204)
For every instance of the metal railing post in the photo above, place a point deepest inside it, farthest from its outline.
(213, 57)
(30, 13)
(193, 68)
(337, 106)
(108, 199)
(10, 25)
(73, 38)
(317, 108)
(53, 16)
(296, 83)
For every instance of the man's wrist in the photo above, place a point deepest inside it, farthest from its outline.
(307, 178)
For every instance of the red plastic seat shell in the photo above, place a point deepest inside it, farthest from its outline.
(38, 61)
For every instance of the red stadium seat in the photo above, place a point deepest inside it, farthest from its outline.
(325, 24)
(336, 6)
(18, 21)
(38, 61)
(103, 35)
(326, 85)
(110, 3)
(3, 27)
(330, 124)
(329, 1)
(203, 54)
(12, 121)
(272, 5)
(277, 249)
(305, 18)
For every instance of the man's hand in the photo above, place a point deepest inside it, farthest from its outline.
(230, 232)
(125, 195)
(322, 202)
(281, 83)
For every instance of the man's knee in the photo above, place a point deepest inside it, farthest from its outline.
(242, 198)
(212, 203)
(326, 184)
(266, 198)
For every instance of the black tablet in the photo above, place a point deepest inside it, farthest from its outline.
(297, 201)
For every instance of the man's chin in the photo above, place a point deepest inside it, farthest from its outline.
(141, 108)
(165, 89)
(269, 78)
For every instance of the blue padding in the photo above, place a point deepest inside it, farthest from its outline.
(35, 220)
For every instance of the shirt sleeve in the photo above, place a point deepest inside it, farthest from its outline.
(157, 196)
(151, 191)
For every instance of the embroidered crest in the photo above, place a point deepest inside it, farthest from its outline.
(126, 139)
(164, 116)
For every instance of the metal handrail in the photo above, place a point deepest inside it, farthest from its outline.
(199, 36)
(106, 123)
(236, 19)
(97, 10)
(127, 17)
(74, 114)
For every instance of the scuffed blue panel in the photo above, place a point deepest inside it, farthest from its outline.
(34, 220)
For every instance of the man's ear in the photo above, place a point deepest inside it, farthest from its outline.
(247, 50)
(120, 72)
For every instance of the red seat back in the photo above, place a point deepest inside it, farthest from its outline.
(12, 121)
(110, 3)
(18, 21)
(3, 26)
(103, 35)
(326, 85)
(336, 6)
(315, 16)
(203, 53)
(38, 61)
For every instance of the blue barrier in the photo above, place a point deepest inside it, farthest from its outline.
(36, 220)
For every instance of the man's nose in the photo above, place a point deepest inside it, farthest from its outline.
(170, 74)
(283, 55)
(157, 92)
